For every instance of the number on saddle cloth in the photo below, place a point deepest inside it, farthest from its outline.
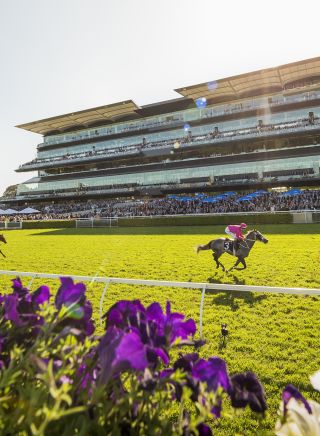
(228, 245)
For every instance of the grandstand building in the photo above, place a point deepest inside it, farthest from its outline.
(254, 130)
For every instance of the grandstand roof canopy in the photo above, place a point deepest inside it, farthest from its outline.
(289, 77)
(260, 82)
(83, 119)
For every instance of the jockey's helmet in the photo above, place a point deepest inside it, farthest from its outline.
(243, 225)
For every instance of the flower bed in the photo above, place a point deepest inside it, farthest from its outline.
(58, 377)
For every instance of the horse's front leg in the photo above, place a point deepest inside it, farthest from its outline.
(243, 263)
(234, 266)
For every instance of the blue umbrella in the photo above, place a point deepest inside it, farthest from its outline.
(245, 199)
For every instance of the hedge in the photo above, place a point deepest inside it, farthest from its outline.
(285, 218)
(48, 224)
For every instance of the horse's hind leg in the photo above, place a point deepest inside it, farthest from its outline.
(216, 258)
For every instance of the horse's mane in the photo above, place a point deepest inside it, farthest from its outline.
(250, 233)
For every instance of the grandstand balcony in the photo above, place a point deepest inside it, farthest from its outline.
(258, 155)
(195, 116)
(299, 127)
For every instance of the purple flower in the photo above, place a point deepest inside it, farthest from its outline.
(124, 314)
(17, 287)
(79, 315)
(21, 306)
(131, 352)
(186, 362)
(247, 390)
(291, 391)
(119, 351)
(11, 309)
(204, 430)
(157, 330)
(69, 292)
(213, 372)
(41, 295)
(171, 325)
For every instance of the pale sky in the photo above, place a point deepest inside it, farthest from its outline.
(60, 56)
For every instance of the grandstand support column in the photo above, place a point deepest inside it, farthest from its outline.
(201, 308)
(102, 299)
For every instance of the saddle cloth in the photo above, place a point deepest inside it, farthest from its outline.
(228, 245)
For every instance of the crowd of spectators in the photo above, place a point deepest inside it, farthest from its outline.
(264, 202)
(189, 138)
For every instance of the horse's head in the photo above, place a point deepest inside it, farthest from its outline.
(3, 239)
(259, 236)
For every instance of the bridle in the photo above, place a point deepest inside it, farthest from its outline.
(248, 239)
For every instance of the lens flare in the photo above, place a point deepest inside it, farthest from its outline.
(212, 85)
(201, 102)
(186, 127)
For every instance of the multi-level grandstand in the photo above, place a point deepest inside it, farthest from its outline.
(251, 131)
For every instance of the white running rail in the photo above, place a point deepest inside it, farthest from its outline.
(187, 285)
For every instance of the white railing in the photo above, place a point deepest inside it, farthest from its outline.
(96, 222)
(268, 212)
(186, 285)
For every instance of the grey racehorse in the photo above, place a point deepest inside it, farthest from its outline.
(225, 245)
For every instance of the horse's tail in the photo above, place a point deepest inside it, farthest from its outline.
(202, 247)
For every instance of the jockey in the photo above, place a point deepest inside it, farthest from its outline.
(235, 231)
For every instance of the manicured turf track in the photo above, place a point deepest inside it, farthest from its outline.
(276, 336)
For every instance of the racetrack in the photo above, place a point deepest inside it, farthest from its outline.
(275, 336)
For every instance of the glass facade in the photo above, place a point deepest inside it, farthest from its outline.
(174, 176)
(224, 126)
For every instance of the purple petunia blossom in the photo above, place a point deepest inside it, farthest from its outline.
(247, 390)
(79, 315)
(41, 295)
(22, 309)
(69, 292)
(170, 325)
(213, 372)
(291, 391)
(18, 289)
(11, 309)
(156, 329)
(124, 314)
(186, 362)
(119, 351)
(204, 430)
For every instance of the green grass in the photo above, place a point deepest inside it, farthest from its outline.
(276, 336)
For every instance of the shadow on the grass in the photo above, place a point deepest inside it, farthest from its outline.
(229, 298)
(205, 230)
(281, 229)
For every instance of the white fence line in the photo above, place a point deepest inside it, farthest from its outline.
(163, 283)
